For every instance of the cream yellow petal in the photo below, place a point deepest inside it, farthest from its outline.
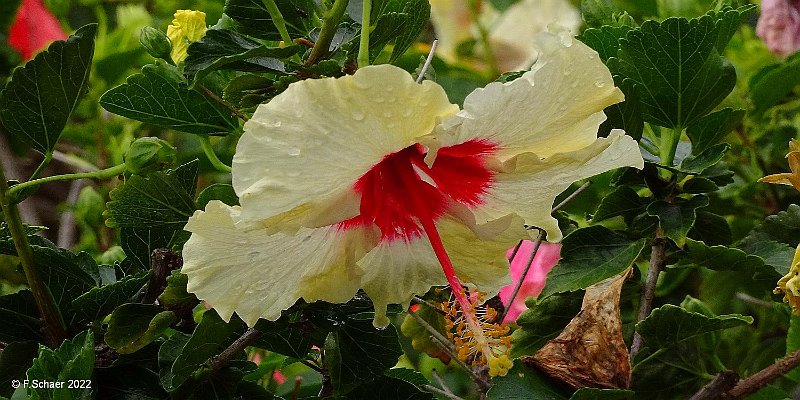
(515, 29)
(781, 179)
(394, 272)
(188, 26)
(452, 22)
(308, 146)
(528, 185)
(557, 107)
(257, 275)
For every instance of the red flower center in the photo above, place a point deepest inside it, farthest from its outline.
(401, 193)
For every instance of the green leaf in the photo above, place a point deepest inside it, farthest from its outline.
(718, 258)
(677, 66)
(20, 318)
(175, 293)
(128, 382)
(101, 301)
(622, 201)
(588, 256)
(523, 383)
(73, 360)
(601, 394)
(604, 40)
(36, 104)
(669, 325)
(139, 243)
(359, 353)
(544, 320)
(626, 115)
(675, 219)
(388, 388)
(711, 228)
(712, 128)
(8, 12)
(65, 275)
(210, 337)
(133, 326)
(15, 359)
(156, 200)
(775, 239)
(223, 49)
(696, 164)
(419, 12)
(218, 191)
(159, 96)
(774, 83)
(598, 13)
(253, 19)
(699, 185)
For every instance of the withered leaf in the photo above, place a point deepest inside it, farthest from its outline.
(590, 352)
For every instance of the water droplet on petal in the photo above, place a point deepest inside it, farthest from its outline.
(600, 84)
(562, 108)
(358, 115)
(294, 151)
(406, 112)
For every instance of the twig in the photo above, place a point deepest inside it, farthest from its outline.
(536, 244)
(434, 389)
(762, 378)
(428, 61)
(419, 300)
(298, 382)
(571, 196)
(229, 106)
(234, 349)
(754, 301)
(658, 259)
(723, 382)
(66, 224)
(163, 261)
(448, 348)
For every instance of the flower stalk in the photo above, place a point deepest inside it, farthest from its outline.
(280, 24)
(107, 173)
(55, 330)
(332, 18)
(208, 150)
(363, 47)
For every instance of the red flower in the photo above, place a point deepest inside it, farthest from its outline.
(33, 29)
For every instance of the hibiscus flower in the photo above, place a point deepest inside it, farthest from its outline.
(377, 182)
(546, 258)
(779, 25)
(33, 29)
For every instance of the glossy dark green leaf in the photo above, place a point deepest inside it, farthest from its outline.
(669, 325)
(626, 115)
(156, 200)
(8, 11)
(544, 320)
(252, 17)
(388, 388)
(223, 49)
(622, 201)
(133, 326)
(604, 40)
(218, 191)
(699, 185)
(696, 164)
(128, 382)
(598, 13)
(774, 84)
(36, 104)
(139, 243)
(677, 66)
(676, 219)
(711, 129)
(719, 258)
(101, 301)
(523, 383)
(359, 353)
(175, 293)
(775, 239)
(15, 359)
(66, 276)
(20, 318)
(588, 256)
(72, 360)
(602, 394)
(713, 229)
(211, 336)
(159, 96)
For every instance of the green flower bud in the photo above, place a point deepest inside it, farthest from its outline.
(112, 255)
(155, 42)
(90, 206)
(149, 154)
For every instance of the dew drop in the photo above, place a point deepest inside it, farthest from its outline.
(600, 84)
(573, 85)
(562, 108)
(358, 115)
(566, 73)
(294, 151)
(406, 112)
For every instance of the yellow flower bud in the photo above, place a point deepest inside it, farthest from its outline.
(187, 27)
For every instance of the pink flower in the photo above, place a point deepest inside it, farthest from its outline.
(546, 258)
(779, 25)
(33, 29)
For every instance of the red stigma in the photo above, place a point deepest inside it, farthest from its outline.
(401, 193)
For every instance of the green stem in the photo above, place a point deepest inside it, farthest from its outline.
(332, 19)
(101, 174)
(494, 69)
(363, 48)
(669, 145)
(55, 331)
(280, 23)
(205, 143)
(47, 158)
